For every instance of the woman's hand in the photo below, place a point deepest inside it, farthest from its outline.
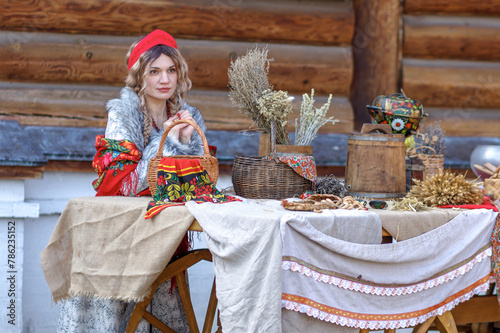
(187, 130)
(181, 132)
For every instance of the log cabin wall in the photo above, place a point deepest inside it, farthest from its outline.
(451, 63)
(62, 60)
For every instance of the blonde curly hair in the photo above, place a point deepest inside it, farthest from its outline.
(136, 80)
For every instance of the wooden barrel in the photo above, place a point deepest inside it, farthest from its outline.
(375, 164)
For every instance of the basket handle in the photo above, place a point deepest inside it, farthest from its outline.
(159, 154)
(414, 150)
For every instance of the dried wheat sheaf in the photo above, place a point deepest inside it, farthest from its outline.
(446, 188)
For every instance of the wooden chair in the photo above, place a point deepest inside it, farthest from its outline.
(176, 267)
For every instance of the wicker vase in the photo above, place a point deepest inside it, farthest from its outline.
(433, 164)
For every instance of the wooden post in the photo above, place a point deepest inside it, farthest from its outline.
(376, 53)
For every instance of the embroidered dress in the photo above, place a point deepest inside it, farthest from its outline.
(121, 163)
(92, 315)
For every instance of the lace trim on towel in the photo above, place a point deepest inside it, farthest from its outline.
(346, 282)
(377, 322)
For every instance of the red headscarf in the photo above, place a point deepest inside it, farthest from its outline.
(157, 37)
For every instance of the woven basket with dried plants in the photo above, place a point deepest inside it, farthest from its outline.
(429, 147)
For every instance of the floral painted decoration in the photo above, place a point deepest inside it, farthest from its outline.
(115, 163)
(180, 181)
(303, 165)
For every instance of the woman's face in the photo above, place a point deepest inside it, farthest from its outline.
(161, 79)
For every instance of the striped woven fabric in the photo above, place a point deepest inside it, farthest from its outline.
(182, 180)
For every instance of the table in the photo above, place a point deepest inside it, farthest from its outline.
(260, 219)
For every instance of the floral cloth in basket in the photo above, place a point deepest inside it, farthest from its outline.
(182, 180)
(303, 165)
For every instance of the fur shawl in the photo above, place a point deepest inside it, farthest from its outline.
(126, 122)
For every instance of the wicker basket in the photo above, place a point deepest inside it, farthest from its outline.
(209, 163)
(432, 163)
(254, 177)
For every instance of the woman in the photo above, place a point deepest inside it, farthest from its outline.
(153, 99)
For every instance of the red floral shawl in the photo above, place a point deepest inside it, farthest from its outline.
(115, 163)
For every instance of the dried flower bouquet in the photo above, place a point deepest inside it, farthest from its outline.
(431, 136)
(250, 91)
(311, 119)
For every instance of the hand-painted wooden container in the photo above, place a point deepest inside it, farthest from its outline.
(375, 164)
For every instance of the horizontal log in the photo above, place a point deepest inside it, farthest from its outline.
(220, 114)
(451, 37)
(451, 83)
(471, 7)
(69, 166)
(295, 21)
(39, 145)
(21, 172)
(466, 122)
(54, 105)
(84, 106)
(45, 57)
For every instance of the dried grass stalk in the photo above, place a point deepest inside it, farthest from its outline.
(311, 119)
(408, 204)
(250, 91)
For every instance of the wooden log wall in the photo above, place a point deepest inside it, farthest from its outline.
(376, 53)
(451, 63)
(62, 60)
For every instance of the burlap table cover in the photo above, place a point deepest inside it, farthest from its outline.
(103, 247)
(404, 225)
